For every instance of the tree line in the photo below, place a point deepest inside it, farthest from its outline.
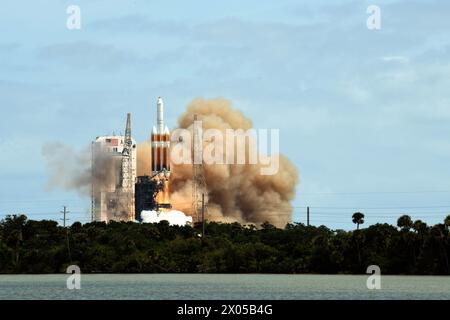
(411, 247)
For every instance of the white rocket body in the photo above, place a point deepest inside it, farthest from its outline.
(160, 154)
(160, 115)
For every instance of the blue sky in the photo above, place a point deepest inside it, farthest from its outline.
(363, 114)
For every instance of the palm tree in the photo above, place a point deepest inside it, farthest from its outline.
(405, 222)
(358, 218)
(13, 229)
(419, 226)
(447, 221)
(438, 232)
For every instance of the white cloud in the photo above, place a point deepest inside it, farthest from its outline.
(399, 59)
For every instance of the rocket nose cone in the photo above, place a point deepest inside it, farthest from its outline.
(154, 130)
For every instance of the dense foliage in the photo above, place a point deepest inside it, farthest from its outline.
(28, 246)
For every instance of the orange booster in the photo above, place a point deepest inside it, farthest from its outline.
(160, 156)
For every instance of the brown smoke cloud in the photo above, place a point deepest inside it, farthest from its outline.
(235, 192)
(143, 165)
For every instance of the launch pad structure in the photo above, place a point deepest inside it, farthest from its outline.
(114, 178)
(118, 194)
(114, 166)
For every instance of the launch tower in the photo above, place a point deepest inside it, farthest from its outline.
(114, 164)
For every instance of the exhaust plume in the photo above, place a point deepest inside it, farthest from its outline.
(236, 193)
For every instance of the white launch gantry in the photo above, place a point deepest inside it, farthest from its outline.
(114, 164)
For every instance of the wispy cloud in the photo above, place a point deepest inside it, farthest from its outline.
(399, 59)
(9, 47)
(135, 23)
(87, 55)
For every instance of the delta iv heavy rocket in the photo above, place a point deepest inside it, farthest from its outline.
(160, 156)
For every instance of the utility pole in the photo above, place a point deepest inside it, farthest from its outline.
(307, 216)
(65, 212)
(92, 183)
(203, 215)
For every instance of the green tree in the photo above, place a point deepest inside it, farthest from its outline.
(419, 226)
(405, 222)
(28, 246)
(447, 221)
(358, 218)
(12, 228)
(438, 232)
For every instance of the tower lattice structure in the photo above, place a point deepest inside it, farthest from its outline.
(198, 177)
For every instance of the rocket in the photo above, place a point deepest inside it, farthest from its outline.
(160, 142)
(160, 155)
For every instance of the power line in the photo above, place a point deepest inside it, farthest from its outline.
(379, 208)
(265, 210)
(39, 200)
(375, 192)
(45, 213)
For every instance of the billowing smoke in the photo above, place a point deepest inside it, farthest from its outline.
(143, 159)
(73, 170)
(174, 217)
(235, 192)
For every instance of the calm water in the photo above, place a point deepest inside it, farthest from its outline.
(213, 286)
